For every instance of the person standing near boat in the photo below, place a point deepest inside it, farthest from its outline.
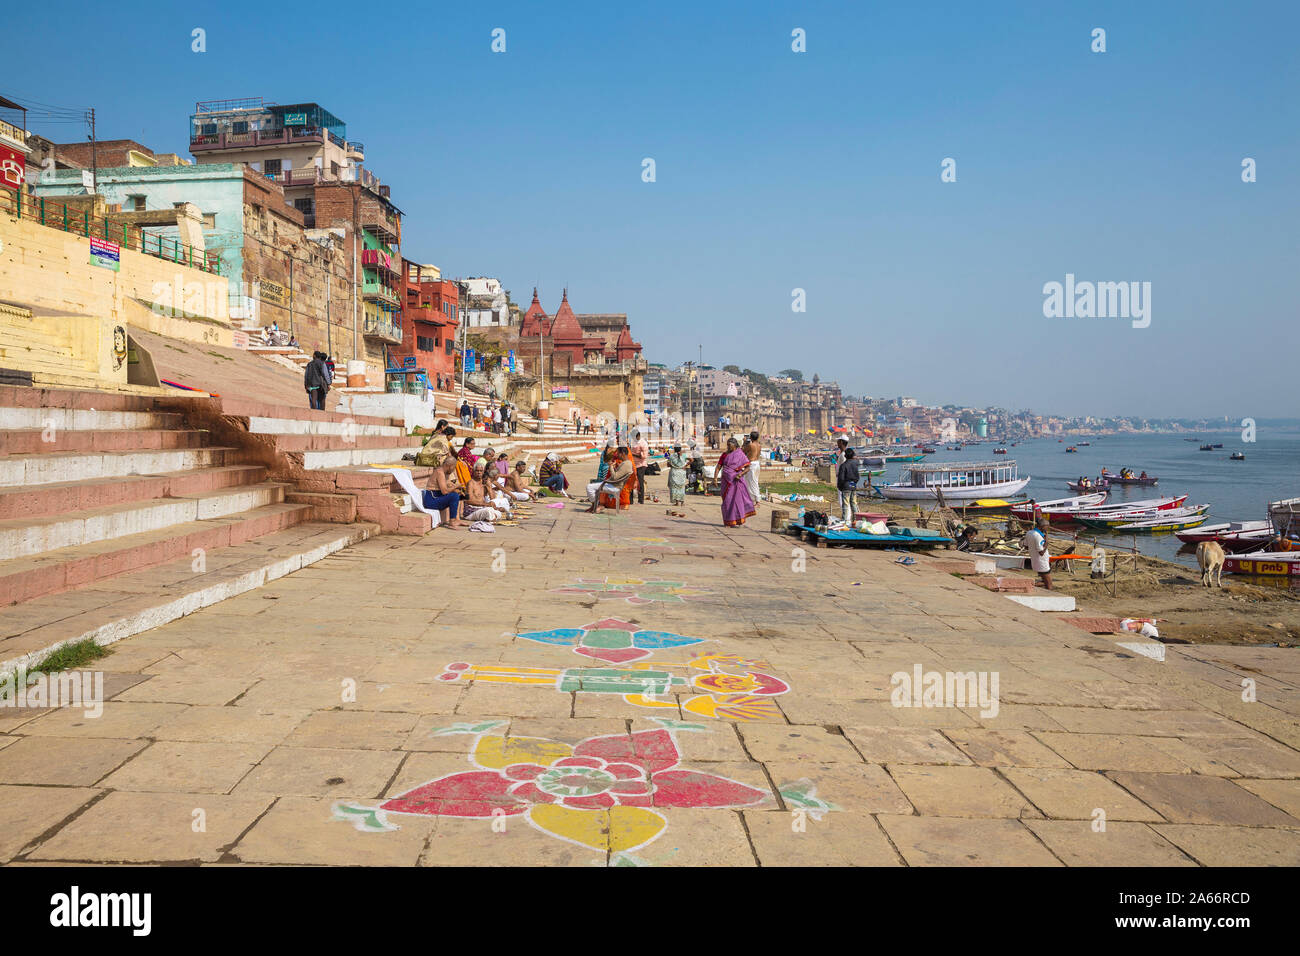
(1035, 542)
(847, 477)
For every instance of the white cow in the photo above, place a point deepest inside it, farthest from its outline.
(1209, 555)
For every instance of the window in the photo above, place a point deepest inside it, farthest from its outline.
(334, 170)
(137, 203)
(209, 129)
(272, 167)
(423, 343)
(306, 205)
(239, 126)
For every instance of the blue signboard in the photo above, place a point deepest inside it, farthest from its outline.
(408, 362)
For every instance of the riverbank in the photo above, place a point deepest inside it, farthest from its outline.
(1243, 611)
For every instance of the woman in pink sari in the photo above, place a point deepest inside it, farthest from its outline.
(737, 505)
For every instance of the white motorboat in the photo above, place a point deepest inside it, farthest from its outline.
(957, 481)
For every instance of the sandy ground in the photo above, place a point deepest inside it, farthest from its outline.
(1237, 613)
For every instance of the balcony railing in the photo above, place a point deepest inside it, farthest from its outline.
(57, 215)
(12, 132)
(379, 327)
(379, 292)
(262, 137)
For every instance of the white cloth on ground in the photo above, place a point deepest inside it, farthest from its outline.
(483, 514)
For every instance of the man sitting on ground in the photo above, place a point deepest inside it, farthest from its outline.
(478, 505)
(552, 475)
(517, 483)
(442, 493)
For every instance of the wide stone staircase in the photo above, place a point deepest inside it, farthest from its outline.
(117, 515)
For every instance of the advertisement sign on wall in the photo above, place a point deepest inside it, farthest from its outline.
(105, 254)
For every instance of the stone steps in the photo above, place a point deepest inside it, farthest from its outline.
(85, 419)
(67, 496)
(42, 469)
(32, 441)
(108, 610)
(25, 578)
(25, 537)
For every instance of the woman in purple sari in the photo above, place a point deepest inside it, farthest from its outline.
(737, 505)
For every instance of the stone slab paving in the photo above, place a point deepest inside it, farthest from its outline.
(638, 690)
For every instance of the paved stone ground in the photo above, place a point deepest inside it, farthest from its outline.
(451, 700)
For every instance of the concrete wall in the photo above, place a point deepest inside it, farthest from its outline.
(217, 189)
(78, 306)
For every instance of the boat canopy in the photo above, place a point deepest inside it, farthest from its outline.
(961, 474)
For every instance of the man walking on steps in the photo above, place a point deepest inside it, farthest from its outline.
(315, 378)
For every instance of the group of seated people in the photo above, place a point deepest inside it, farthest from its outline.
(466, 486)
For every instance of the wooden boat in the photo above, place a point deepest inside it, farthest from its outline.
(1243, 542)
(1099, 485)
(1059, 510)
(927, 451)
(1121, 519)
(896, 538)
(1084, 444)
(1114, 479)
(1206, 448)
(1264, 562)
(1070, 449)
(985, 506)
(957, 481)
(1236, 456)
(1212, 532)
(999, 451)
(1158, 524)
(1060, 514)
(1285, 516)
(1217, 445)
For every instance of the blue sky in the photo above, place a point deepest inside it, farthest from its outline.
(820, 170)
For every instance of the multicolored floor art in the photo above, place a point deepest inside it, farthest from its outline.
(732, 688)
(603, 793)
(634, 590)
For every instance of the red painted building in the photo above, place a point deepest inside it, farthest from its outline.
(430, 319)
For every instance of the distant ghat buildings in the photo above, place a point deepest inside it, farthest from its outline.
(282, 220)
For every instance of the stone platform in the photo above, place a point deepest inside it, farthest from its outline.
(634, 689)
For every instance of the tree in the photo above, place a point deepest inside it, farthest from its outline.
(733, 369)
(793, 373)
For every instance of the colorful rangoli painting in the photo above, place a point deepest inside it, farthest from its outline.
(611, 640)
(633, 590)
(604, 793)
(732, 688)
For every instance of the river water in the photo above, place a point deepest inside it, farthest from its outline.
(1234, 490)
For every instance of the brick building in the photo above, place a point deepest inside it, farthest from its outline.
(430, 320)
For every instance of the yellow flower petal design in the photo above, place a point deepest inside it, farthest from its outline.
(618, 829)
(589, 828)
(642, 701)
(497, 753)
(633, 827)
